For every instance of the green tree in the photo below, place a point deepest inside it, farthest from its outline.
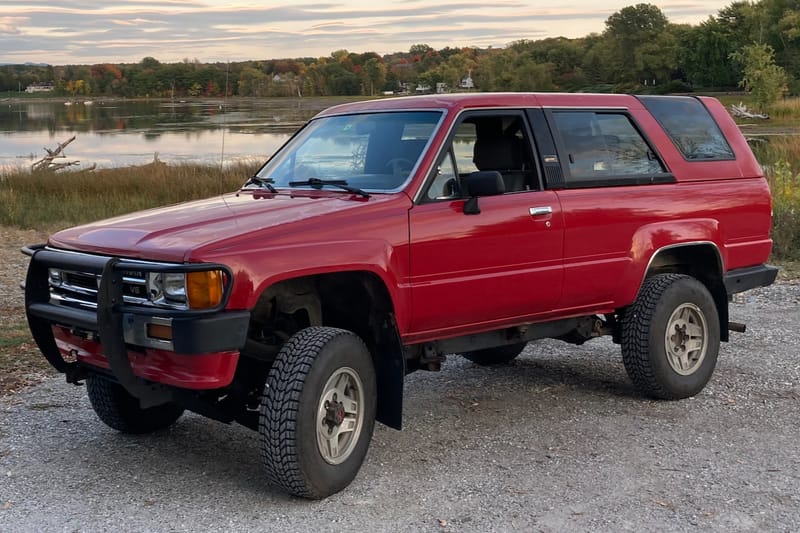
(762, 77)
(454, 69)
(705, 51)
(419, 49)
(375, 71)
(633, 31)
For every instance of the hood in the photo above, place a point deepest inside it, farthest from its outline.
(176, 233)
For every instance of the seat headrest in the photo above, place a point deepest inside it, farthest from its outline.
(497, 153)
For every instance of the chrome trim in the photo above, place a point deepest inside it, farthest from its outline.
(68, 287)
(720, 263)
(62, 299)
(134, 328)
(539, 211)
(66, 293)
(586, 108)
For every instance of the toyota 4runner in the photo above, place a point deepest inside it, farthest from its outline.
(386, 234)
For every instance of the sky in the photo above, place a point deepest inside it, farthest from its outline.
(125, 31)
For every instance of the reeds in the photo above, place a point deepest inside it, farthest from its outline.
(52, 200)
(780, 158)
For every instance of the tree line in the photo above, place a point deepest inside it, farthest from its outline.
(748, 44)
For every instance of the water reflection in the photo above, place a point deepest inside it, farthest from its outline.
(118, 133)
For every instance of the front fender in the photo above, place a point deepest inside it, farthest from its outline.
(256, 270)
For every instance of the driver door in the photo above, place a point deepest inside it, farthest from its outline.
(502, 266)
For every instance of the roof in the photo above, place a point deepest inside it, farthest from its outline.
(458, 101)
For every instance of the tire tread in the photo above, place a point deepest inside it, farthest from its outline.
(119, 410)
(279, 408)
(636, 324)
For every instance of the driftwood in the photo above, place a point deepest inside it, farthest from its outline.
(741, 111)
(48, 164)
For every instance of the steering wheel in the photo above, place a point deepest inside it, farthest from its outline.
(400, 165)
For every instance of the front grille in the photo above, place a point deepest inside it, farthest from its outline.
(79, 289)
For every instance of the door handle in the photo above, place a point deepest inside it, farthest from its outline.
(539, 211)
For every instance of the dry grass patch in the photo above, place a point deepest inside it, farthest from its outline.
(62, 199)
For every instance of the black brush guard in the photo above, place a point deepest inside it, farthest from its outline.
(194, 332)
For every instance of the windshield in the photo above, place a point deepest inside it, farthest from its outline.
(374, 151)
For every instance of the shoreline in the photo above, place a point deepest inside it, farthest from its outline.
(185, 99)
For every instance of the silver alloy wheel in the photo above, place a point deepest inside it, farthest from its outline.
(340, 415)
(686, 339)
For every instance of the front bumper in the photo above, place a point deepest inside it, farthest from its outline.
(201, 353)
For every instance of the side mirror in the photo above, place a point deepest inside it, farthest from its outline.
(483, 183)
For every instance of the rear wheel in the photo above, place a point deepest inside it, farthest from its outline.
(498, 355)
(119, 410)
(317, 412)
(670, 337)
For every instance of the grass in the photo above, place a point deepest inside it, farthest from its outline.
(47, 200)
(788, 108)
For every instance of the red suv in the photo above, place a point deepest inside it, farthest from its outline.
(387, 234)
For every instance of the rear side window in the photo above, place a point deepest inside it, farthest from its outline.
(603, 147)
(690, 126)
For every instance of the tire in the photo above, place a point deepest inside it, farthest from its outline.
(317, 412)
(499, 355)
(670, 337)
(119, 410)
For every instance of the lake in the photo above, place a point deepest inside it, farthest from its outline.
(117, 132)
(113, 133)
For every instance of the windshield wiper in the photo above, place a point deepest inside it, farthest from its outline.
(264, 182)
(318, 183)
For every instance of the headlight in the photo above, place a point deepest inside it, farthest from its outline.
(190, 290)
(174, 286)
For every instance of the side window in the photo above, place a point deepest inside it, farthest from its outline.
(487, 142)
(602, 145)
(690, 126)
(445, 183)
(464, 148)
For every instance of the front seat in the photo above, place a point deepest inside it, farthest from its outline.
(504, 154)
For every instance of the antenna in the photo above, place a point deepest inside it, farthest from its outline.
(224, 127)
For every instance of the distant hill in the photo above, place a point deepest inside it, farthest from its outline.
(27, 64)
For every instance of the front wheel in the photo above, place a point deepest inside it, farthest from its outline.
(317, 412)
(670, 337)
(119, 410)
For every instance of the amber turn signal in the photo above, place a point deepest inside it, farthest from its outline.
(161, 332)
(204, 289)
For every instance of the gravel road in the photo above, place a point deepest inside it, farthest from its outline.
(556, 441)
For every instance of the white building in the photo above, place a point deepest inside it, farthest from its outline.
(40, 87)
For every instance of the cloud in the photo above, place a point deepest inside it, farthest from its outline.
(10, 25)
(136, 22)
(82, 31)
